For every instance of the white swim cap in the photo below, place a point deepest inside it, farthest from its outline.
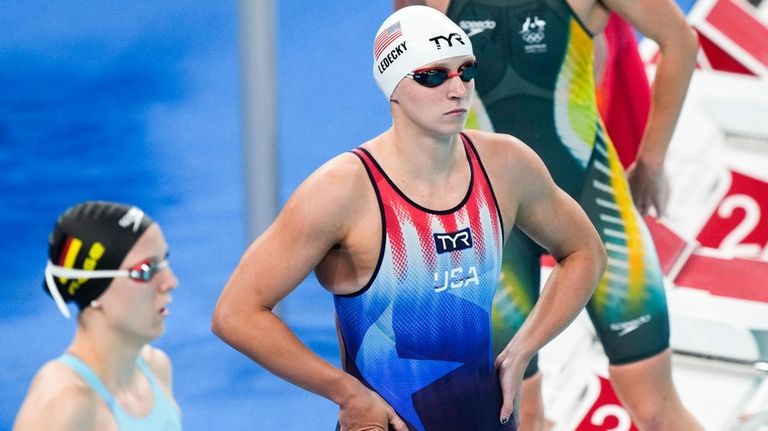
(413, 37)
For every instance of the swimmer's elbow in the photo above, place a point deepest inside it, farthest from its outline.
(689, 45)
(234, 316)
(222, 322)
(599, 258)
(602, 257)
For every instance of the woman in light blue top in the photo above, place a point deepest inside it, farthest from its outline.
(111, 260)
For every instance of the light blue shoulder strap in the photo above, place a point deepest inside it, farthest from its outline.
(144, 368)
(88, 376)
(165, 415)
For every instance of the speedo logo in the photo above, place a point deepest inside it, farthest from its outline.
(624, 328)
(476, 27)
(132, 217)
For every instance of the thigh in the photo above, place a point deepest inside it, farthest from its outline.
(518, 290)
(629, 307)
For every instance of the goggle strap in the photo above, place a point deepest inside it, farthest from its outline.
(52, 270)
(54, 291)
(60, 271)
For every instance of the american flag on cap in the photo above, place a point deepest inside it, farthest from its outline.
(385, 38)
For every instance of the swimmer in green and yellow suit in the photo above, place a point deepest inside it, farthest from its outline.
(537, 83)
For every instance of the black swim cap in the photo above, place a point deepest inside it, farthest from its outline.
(91, 236)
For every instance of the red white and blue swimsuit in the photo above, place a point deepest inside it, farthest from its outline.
(419, 332)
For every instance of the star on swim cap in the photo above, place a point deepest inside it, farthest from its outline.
(413, 37)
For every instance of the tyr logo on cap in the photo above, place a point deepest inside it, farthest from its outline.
(448, 39)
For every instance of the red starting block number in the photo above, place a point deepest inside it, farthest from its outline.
(739, 225)
(607, 413)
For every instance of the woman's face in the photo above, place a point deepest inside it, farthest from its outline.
(139, 308)
(442, 109)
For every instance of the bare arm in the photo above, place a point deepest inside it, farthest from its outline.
(558, 223)
(311, 223)
(555, 221)
(663, 22)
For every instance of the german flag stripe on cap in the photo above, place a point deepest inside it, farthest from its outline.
(69, 254)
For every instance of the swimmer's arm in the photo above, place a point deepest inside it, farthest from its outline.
(555, 221)
(314, 219)
(273, 266)
(663, 22)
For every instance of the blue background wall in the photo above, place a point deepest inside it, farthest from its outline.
(139, 102)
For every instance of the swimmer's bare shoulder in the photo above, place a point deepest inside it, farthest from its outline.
(331, 200)
(59, 400)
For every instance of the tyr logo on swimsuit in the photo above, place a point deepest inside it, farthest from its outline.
(453, 241)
